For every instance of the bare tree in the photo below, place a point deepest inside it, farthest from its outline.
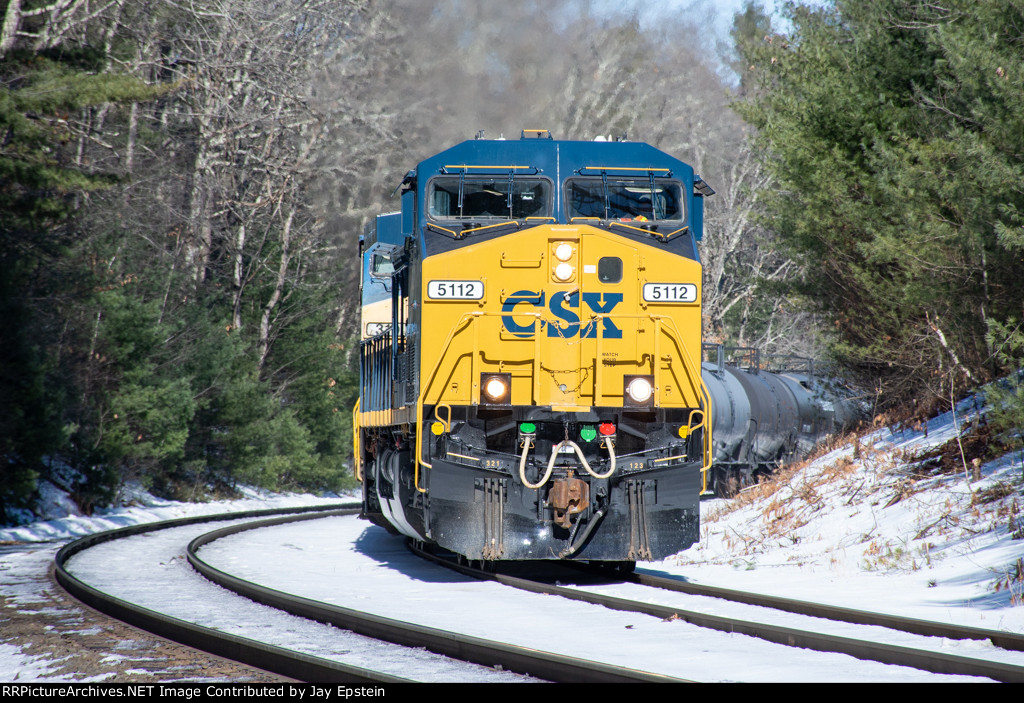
(570, 67)
(44, 26)
(246, 72)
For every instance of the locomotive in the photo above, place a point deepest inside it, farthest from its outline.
(530, 364)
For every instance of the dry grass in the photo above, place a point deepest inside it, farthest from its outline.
(975, 446)
(994, 493)
(760, 491)
(896, 555)
(773, 511)
(1013, 581)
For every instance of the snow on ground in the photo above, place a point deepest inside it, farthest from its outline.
(15, 666)
(27, 551)
(890, 522)
(869, 525)
(158, 558)
(139, 507)
(362, 567)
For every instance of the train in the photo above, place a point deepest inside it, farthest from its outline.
(768, 411)
(531, 375)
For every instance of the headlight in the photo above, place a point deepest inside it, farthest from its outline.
(495, 388)
(639, 390)
(563, 252)
(564, 272)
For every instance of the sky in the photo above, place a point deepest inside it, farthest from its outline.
(718, 13)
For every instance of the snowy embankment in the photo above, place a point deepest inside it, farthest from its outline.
(137, 507)
(45, 637)
(898, 520)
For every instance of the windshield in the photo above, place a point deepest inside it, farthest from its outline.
(625, 199)
(452, 197)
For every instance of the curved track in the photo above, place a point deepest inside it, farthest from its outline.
(928, 628)
(924, 659)
(546, 665)
(247, 651)
(552, 667)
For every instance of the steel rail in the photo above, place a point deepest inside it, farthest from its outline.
(525, 660)
(278, 660)
(928, 628)
(935, 662)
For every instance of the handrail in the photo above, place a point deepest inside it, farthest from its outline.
(664, 324)
(356, 444)
(668, 236)
(456, 329)
(653, 233)
(466, 167)
(646, 169)
(503, 223)
(616, 223)
(453, 233)
(423, 392)
(694, 372)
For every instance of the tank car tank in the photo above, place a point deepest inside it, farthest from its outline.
(762, 418)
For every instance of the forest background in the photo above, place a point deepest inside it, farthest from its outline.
(183, 184)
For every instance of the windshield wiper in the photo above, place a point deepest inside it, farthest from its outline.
(470, 228)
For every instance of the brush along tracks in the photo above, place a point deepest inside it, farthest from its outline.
(924, 659)
(543, 665)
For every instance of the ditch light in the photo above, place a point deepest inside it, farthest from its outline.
(496, 388)
(638, 391)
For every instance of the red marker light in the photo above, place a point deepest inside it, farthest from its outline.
(606, 429)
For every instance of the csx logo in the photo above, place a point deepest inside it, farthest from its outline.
(563, 308)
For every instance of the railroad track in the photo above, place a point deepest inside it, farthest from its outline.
(525, 660)
(924, 659)
(547, 666)
(280, 660)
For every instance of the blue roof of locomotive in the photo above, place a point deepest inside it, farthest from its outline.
(557, 160)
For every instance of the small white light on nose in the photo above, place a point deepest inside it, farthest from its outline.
(563, 272)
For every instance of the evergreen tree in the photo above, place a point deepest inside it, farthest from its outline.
(40, 186)
(895, 133)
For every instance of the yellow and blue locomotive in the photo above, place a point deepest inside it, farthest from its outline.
(531, 353)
